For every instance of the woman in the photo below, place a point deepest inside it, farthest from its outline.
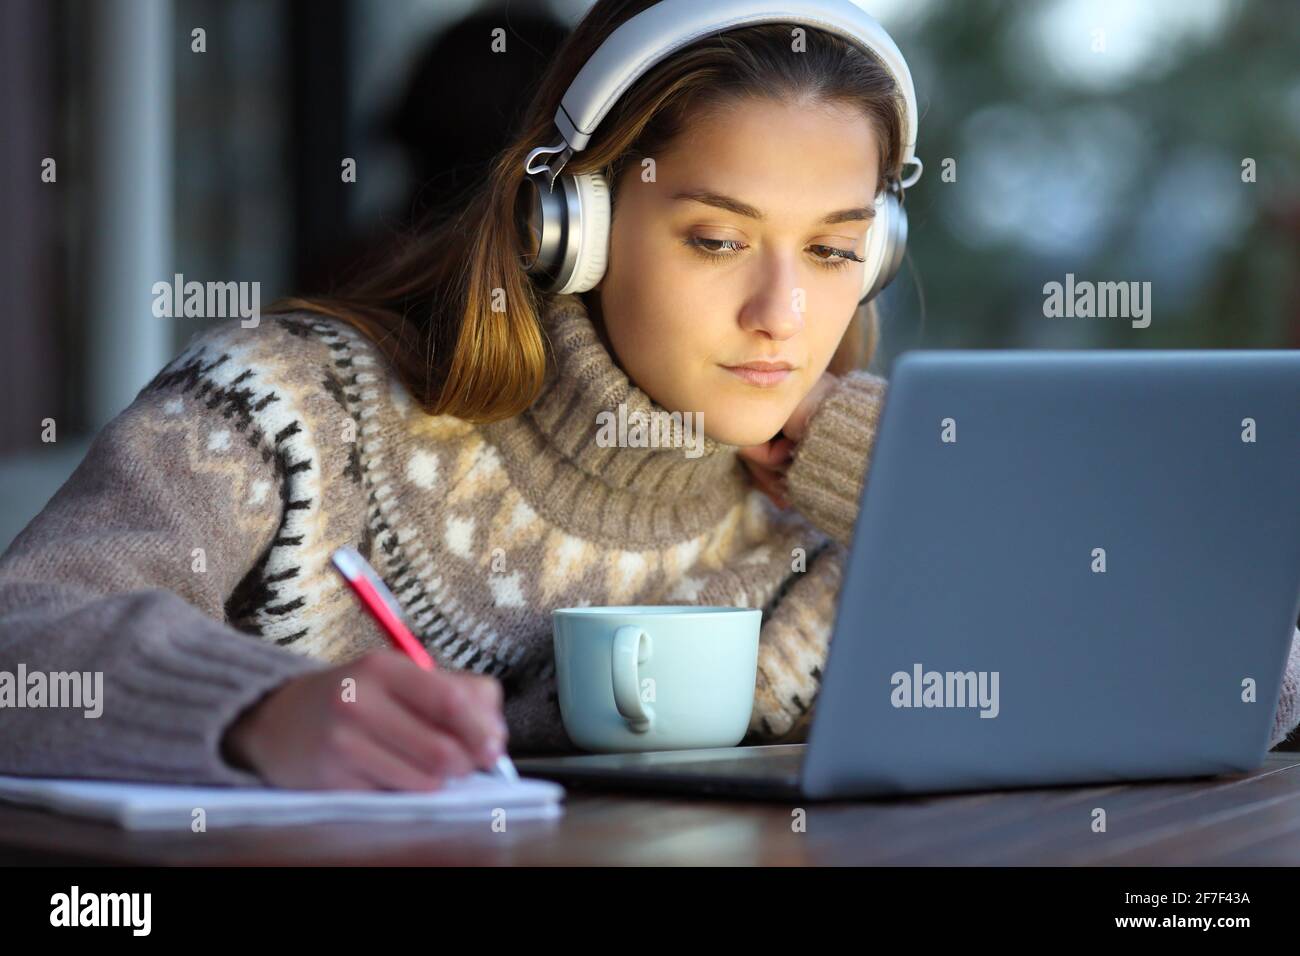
(442, 416)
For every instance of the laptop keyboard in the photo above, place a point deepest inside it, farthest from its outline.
(771, 761)
(766, 767)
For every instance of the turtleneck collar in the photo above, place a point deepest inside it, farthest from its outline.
(652, 494)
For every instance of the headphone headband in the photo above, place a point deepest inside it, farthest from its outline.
(658, 32)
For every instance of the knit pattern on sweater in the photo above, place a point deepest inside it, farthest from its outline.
(482, 530)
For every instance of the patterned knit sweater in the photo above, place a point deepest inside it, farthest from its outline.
(188, 557)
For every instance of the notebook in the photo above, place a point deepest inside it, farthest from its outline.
(476, 797)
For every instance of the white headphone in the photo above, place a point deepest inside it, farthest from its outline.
(567, 230)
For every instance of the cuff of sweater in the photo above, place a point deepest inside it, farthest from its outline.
(532, 711)
(761, 732)
(1287, 715)
(170, 699)
(830, 463)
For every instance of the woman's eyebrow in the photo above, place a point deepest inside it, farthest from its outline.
(730, 204)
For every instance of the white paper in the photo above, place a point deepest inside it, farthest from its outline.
(145, 806)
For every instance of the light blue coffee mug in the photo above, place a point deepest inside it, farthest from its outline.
(648, 677)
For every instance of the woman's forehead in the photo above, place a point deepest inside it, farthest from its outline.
(767, 138)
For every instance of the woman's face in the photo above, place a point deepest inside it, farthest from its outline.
(747, 270)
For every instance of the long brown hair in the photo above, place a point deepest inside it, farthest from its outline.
(429, 307)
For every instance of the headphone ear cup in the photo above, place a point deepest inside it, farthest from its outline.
(886, 241)
(591, 232)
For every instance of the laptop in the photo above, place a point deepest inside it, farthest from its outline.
(1069, 567)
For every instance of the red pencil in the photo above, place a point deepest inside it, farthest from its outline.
(375, 597)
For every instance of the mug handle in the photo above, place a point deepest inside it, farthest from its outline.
(632, 646)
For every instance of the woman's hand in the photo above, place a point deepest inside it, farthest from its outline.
(403, 728)
(768, 462)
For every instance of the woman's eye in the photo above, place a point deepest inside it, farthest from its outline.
(701, 244)
(842, 257)
(834, 258)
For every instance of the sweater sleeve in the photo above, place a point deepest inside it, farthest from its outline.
(830, 463)
(123, 578)
(1287, 715)
(792, 649)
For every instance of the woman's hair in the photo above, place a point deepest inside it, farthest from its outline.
(429, 307)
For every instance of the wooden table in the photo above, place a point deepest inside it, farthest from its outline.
(1245, 819)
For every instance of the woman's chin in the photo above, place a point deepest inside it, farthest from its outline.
(743, 433)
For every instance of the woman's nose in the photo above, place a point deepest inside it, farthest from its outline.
(778, 306)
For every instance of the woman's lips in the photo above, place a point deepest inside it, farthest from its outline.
(763, 378)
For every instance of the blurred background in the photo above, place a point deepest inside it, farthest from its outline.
(1119, 141)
